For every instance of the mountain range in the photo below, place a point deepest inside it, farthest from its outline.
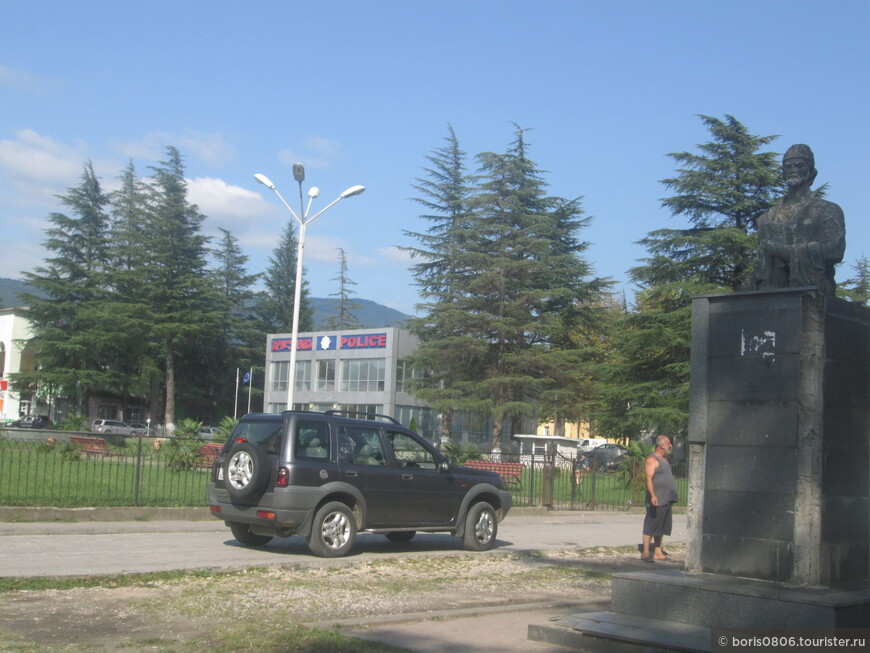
(369, 314)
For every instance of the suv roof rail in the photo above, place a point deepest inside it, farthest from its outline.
(358, 412)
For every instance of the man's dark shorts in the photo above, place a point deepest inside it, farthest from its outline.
(658, 520)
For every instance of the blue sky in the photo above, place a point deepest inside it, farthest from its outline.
(360, 92)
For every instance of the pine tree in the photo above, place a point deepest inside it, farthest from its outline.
(857, 289)
(722, 191)
(506, 278)
(275, 304)
(446, 357)
(71, 350)
(344, 306)
(175, 283)
(241, 339)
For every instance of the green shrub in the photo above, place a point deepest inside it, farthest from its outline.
(459, 454)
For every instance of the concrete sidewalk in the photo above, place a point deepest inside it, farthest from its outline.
(482, 629)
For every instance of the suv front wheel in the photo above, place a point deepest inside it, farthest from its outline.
(333, 532)
(481, 527)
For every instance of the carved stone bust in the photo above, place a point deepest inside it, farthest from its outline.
(802, 237)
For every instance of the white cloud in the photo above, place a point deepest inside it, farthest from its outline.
(316, 153)
(39, 167)
(218, 199)
(397, 254)
(25, 81)
(211, 149)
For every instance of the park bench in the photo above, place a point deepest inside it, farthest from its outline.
(510, 472)
(93, 446)
(208, 454)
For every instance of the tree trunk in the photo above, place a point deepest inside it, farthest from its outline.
(170, 386)
(445, 426)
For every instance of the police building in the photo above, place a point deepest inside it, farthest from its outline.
(363, 370)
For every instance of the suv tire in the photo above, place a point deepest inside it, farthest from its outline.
(246, 470)
(481, 527)
(333, 531)
(244, 535)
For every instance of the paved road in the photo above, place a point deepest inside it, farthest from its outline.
(83, 548)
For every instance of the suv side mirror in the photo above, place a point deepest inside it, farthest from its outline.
(444, 465)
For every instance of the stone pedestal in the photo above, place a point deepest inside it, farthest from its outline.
(779, 485)
(779, 481)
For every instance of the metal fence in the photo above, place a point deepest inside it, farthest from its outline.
(49, 469)
(561, 483)
(132, 471)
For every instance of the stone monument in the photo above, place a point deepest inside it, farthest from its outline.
(779, 453)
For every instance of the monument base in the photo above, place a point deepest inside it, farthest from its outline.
(675, 611)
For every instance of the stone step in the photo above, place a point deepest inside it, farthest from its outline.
(613, 632)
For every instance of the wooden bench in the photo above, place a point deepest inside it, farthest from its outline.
(93, 446)
(510, 472)
(208, 454)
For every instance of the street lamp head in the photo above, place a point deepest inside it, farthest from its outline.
(353, 190)
(313, 192)
(298, 172)
(263, 179)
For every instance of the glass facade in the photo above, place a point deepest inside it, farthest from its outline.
(363, 375)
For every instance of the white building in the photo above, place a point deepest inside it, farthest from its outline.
(15, 330)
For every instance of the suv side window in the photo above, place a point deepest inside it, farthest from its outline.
(409, 452)
(360, 446)
(312, 440)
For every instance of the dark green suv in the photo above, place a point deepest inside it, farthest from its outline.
(327, 477)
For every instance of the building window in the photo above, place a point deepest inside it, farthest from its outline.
(363, 375)
(325, 375)
(278, 376)
(362, 411)
(303, 375)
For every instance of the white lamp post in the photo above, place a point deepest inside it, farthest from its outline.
(304, 221)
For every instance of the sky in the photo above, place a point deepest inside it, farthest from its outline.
(361, 92)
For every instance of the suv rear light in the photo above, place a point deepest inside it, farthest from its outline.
(215, 509)
(283, 477)
(267, 514)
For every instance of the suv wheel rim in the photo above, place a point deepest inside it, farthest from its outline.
(240, 470)
(484, 527)
(335, 530)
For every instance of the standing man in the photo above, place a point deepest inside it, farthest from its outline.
(661, 494)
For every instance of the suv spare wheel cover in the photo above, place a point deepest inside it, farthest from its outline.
(246, 470)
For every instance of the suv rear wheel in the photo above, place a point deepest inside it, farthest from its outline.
(333, 532)
(244, 535)
(481, 527)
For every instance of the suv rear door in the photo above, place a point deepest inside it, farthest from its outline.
(363, 463)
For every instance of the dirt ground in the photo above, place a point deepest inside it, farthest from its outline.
(224, 611)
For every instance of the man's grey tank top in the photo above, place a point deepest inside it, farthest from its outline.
(664, 483)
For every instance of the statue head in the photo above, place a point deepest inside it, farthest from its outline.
(799, 166)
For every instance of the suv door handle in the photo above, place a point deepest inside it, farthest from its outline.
(407, 477)
(351, 473)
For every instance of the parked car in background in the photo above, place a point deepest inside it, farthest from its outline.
(588, 444)
(114, 427)
(32, 422)
(211, 432)
(606, 457)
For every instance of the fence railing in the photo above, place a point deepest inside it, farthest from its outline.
(561, 483)
(49, 469)
(133, 471)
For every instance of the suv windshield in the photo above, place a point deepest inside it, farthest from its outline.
(266, 433)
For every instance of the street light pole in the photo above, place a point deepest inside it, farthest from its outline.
(304, 221)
